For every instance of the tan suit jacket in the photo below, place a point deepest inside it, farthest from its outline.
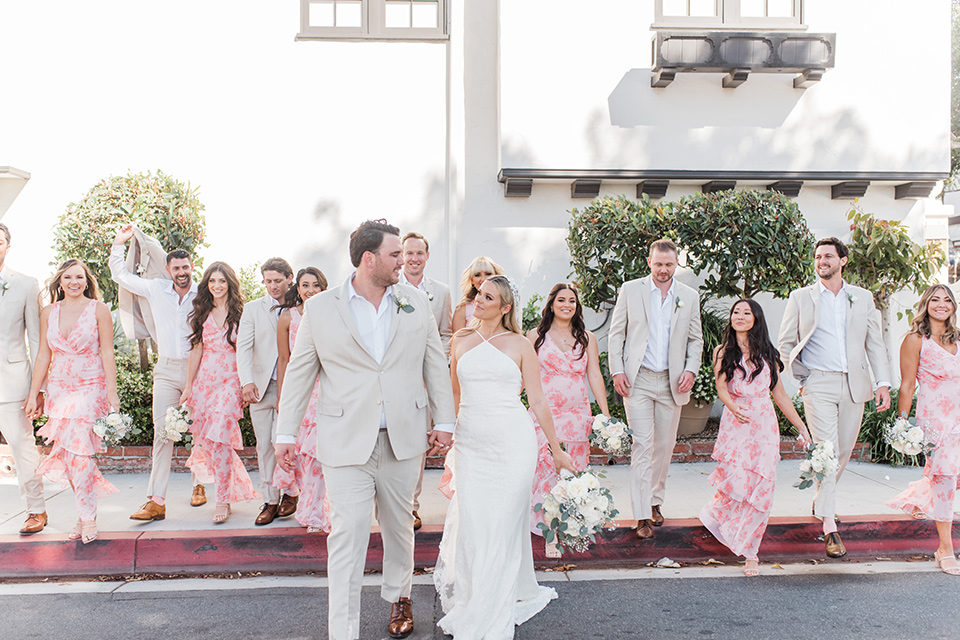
(354, 387)
(257, 343)
(147, 259)
(442, 310)
(630, 330)
(864, 338)
(19, 323)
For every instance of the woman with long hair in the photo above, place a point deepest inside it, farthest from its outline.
(930, 356)
(213, 389)
(747, 368)
(484, 574)
(306, 480)
(569, 360)
(76, 359)
(473, 276)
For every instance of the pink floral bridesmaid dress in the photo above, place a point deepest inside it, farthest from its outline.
(217, 405)
(76, 397)
(313, 509)
(938, 414)
(563, 375)
(747, 455)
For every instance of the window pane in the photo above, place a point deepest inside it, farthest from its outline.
(426, 15)
(321, 14)
(780, 8)
(349, 14)
(674, 7)
(398, 14)
(752, 8)
(703, 8)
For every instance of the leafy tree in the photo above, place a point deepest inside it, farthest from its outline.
(251, 282)
(161, 205)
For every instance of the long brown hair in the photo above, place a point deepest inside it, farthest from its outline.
(577, 325)
(203, 304)
(292, 297)
(56, 290)
(921, 321)
(762, 350)
(481, 263)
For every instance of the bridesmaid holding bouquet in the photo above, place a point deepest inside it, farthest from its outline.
(213, 389)
(76, 359)
(747, 451)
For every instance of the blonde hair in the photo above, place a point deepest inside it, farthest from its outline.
(56, 290)
(510, 320)
(481, 263)
(921, 322)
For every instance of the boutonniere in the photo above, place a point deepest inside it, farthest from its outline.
(403, 304)
(429, 296)
(3, 288)
(141, 269)
(678, 305)
(851, 298)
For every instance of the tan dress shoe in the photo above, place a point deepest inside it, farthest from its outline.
(199, 497)
(34, 524)
(150, 511)
(834, 545)
(401, 619)
(645, 529)
(657, 518)
(417, 522)
(267, 514)
(288, 506)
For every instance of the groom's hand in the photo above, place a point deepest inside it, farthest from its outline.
(286, 454)
(440, 442)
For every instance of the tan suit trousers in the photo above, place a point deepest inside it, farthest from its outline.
(18, 432)
(169, 379)
(264, 417)
(831, 415)
(353, 491)
(653, 416)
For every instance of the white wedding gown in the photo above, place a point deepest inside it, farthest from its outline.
(484, 574)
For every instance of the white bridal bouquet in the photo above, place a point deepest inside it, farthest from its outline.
(577, 508)
(821, 461)
(611, 435)
(176, 426)
(114, 427)
(905, 436)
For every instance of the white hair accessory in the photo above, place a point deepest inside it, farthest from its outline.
(516, 297)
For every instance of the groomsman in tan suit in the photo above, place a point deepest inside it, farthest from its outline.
(375, 345)
(416, 252)
(257, 368)
(655, 345)
(829, 334)
(20, 319)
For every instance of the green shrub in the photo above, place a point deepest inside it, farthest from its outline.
(787, 429)
(532, 313)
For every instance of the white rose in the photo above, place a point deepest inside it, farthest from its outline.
(559, 492)
(912, 448)
(805, 466)
(590, 481)
(114, 420)
(614, 443)
(615, 429)
(577, 490)
(592, 517)
(598, 422)
(99, 428)
(915, 434)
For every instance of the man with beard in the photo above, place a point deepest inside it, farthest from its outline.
(170, 301)
(830, 332)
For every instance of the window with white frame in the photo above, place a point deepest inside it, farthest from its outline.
(373, 19)
(736, 14)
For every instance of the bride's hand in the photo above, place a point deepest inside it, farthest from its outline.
(562, 460)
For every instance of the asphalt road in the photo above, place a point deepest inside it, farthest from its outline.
(922, 604)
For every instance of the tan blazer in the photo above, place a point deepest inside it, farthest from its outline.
(147, 259)
(257, 343)
(442, 310)
(19, 323)
(354, 387)
(864, 338)
(630, 330)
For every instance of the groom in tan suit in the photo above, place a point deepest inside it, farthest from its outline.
(374, 344)
(829, 334)
(655, 346)
(20, 319)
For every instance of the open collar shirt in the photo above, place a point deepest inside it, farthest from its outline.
(657, 356)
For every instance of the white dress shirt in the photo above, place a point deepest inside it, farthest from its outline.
(657, 356)
(169, 311)
(421, 286)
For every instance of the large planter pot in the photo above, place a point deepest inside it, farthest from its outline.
(693, 418)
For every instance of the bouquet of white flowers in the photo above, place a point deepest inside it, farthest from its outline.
(821, 461)
(611, 435)
(577, 508)
(176, 426)
(905, 436)
(114, 427)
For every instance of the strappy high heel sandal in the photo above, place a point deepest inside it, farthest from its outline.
(88, 531)
(752, 568)
(953, 571)
(221, 513)
(77, 532)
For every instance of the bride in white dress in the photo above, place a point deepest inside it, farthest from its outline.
(484, 574)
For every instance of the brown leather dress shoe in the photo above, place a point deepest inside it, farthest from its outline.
(657, 518)
(834, 545)
(34, 524)
(267, 513)
(401, 619)
(199, 497)
(288, 506)
(645, 529)
(150, 511)
(417, 522)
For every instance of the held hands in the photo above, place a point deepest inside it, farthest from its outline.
(621, 384)
(251, 395)
(286, 453)
(440, 442)
(33, 407)
(686, 381)
(125, 233)
(883, 398)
